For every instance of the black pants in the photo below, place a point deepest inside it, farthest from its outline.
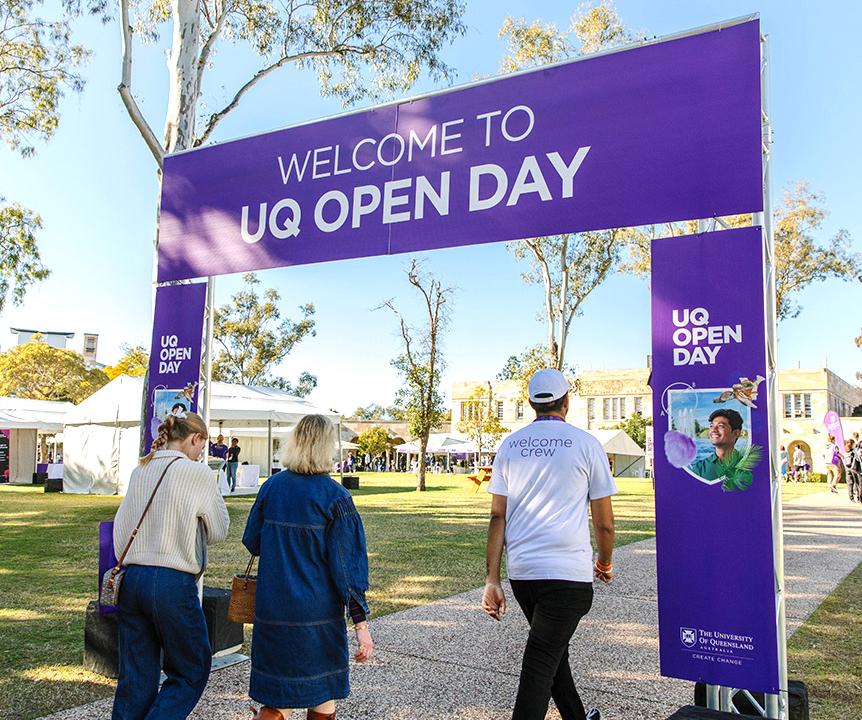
(553, 608)
(853, 484)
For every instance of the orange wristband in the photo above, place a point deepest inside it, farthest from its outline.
(604, 567)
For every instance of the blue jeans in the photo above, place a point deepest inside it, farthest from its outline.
(160, 614)
(231, 475)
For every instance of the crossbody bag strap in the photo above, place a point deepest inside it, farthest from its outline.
(143, 515)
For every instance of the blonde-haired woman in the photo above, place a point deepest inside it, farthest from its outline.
(160, 613)
(313, 566)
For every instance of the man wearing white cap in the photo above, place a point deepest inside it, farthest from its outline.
(544, 477)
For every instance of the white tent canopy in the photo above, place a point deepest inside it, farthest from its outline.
(438, 444)
(102, 433)
(617, 442)
(43, 415)
(626, 454)
(119, 403)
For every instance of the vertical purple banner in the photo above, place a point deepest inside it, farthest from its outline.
(716, 588)
(175, 354)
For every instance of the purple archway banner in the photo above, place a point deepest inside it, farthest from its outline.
(661, 132)
(714, 542)
(175, 353)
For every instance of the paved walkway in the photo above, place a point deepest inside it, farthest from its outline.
(448, 660)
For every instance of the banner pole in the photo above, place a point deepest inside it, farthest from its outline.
(206, 393)
(776, 705)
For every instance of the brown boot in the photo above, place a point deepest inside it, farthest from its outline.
(267, 713)
(314, 715)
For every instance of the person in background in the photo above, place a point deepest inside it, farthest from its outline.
(832, 457)
(218, 449)
(782, 462)
(540, 508)
(851, 470)
(313, 567)
(799, 472)
(160, 622)
(232, 462)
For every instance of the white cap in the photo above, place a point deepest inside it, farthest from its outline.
(547, 385)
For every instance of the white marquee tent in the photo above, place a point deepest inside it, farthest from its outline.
(102, 433)
(627, 457)
(25, 419)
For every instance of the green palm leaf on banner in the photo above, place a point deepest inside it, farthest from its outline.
(737, 469)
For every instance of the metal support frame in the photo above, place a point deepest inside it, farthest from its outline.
(205, 396)
(718, 697)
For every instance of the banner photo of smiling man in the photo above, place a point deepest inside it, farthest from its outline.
(714, 542)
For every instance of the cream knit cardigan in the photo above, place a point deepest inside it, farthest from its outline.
(188, 497)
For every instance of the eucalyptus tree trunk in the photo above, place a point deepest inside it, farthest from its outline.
(184, 76)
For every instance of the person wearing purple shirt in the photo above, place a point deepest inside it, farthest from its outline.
(218, 448)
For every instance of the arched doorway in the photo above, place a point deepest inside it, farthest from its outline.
(809, 460)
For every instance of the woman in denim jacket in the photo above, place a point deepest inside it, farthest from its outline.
(313, 566)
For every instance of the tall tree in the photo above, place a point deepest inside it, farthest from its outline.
(20, 263)
(253, 339)
(635, 426)
(358, 49)
(800, 257)
(521, 367)
(38, 64)
(375, 412)
(421, 361)
(374, 441)
(568, 266)
(38, 371)
(134, 362)
(482, 426)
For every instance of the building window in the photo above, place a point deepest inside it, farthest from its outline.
(639, 405)
(520, 409)
(468, 410)
(797, 405)
(499, 409)
(606, 409)
(591, 408)
(622, 408)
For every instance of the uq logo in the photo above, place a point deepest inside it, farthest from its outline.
(688, 636)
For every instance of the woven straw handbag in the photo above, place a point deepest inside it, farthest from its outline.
(242, 592)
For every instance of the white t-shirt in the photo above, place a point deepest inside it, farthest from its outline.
(548, 472)
(799, 457)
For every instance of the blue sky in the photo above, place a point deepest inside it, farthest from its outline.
(95, 186)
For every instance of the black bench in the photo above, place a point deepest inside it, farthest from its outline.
(100, 632)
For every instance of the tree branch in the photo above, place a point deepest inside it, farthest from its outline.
(210, 41)
(125, 89)
(217, 117)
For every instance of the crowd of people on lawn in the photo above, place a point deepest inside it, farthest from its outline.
(846, 461)
(313, 566)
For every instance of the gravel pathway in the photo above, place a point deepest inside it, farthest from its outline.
(448, 660)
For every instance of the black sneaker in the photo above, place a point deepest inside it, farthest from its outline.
(594, 714)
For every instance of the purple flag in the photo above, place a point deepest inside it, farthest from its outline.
(716, 587)
(175, 354)
(833, 427)
(662, 132)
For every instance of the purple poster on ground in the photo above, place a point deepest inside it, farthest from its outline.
(716, 589)
(661, 132)
(175, 354)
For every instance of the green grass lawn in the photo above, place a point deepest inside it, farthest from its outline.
(422, 546)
